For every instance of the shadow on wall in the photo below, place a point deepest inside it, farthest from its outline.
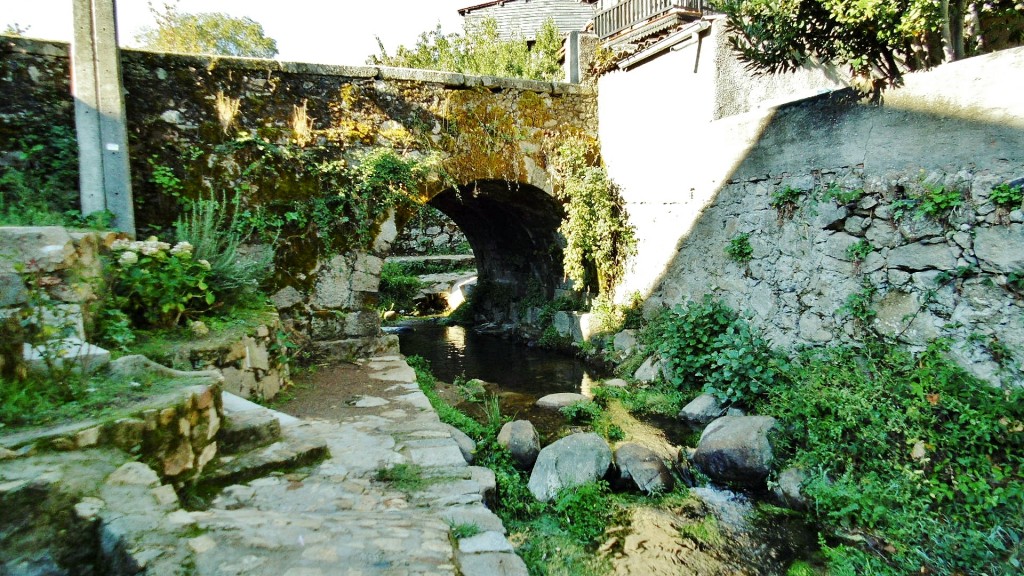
(839, 201)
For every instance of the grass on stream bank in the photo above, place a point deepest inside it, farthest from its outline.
(911, 464)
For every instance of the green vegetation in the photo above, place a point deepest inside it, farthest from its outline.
(583, 511)
(205, 33)
(785, 200)
(39, 186)
(583, 412)
(708, 345)
(157, 285)
(843, 197)
(405, 477)
(739, 249)
(460, 531)
(446, 412)
(366, 189)
(909, 452)
(914, 466)
(42, 400)
(933, 201)
(878, 41)
(216, 233)
(706, 531)
(937, 202)
(1007, 197)
(398, 287)
(859, 251)
(480, 51)
(599, 238)
(858, 305)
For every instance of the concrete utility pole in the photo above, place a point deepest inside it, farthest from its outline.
(104, 177)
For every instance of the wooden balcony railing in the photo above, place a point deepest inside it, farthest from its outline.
(628, 13)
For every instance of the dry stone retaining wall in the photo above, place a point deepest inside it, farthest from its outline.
(174, 434)
(956, 129)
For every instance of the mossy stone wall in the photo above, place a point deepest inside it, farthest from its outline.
(206, 122)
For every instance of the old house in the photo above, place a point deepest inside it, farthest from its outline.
(524, 18)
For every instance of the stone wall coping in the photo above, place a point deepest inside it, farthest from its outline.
(40, 47)
(42, 434)
(54, 48)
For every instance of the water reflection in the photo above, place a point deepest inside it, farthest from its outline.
(454, 351)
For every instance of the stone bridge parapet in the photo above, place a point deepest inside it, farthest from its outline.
(237, 125)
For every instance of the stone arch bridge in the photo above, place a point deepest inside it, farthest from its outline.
(492, 139)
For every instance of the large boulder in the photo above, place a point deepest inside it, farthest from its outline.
(788, 491)
(648, 371)
(701, 411)
(520, 438)
(624, 344)
(641, 467)
(572, 461)
(736, 449)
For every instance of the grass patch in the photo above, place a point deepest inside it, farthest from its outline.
(464, 530)
(398, 288)
(404, 477)
(39, 402)
(549, 550)
(706, 532)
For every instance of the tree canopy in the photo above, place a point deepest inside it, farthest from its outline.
(879, 40)
(206, 33)
(481, 51)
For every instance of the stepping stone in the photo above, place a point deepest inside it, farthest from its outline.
(561, 400)
(370, 402)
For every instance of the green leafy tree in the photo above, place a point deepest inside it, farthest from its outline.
(205, 33)
(879, 40)
(481, 51)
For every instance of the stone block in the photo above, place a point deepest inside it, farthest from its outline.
(256, 354)
(70, 353)
(12, 289)
(920, 256)
(49, 247)
(1000, 248)
(286, 298)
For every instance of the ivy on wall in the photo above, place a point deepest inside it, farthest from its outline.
(598, 236)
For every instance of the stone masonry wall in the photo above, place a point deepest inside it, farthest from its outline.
(180, 108)
(959, 128)
(174, 434)
(430, 233)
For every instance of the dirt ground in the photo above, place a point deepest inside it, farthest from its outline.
(329, 392)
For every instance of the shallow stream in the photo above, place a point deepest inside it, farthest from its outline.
(520, 375)
(744, 541)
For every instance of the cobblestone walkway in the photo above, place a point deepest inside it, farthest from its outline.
(333, 518)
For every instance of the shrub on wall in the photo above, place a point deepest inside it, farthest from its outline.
(599, 238)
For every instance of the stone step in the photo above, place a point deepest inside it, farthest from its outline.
(295, 448)
(247, 431)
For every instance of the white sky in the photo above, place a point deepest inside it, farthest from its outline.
(322, 31)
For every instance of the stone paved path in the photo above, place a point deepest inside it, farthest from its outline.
(336, 518)
(331, 518)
